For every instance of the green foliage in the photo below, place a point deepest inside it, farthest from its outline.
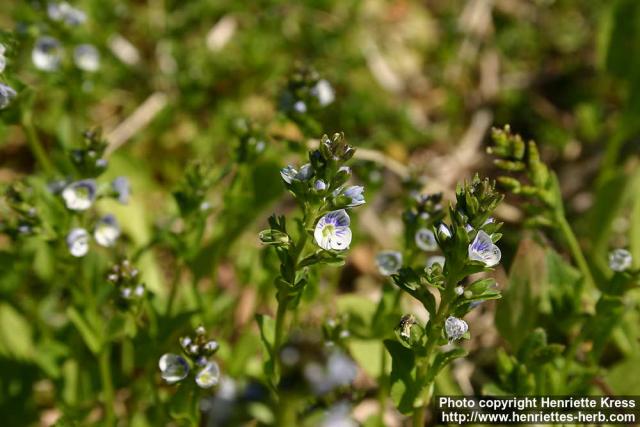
(144, 146)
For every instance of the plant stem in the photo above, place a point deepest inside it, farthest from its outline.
(435, 330)
(286, 412)
(280, 320)
(173, 290)
(34, 143)
(283, 300)
(577, 254)
(107, 385)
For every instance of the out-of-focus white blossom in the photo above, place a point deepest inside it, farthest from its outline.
(78, 242)
(86, 57)
(47, 54)
(426, 240)
(620, 259)
(389, 262)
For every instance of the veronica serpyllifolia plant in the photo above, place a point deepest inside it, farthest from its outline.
(468, 245)
(323, 232)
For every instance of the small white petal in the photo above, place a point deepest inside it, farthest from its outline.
(107, 231)
(7, 94)
(78, 242)
(300, 107)
(86, 57)
(484, 250)
(208, 376)
(324, 92)
(174, 368)
(426, 240)
(332, 231)
(620, 260)
(47, 54)
(79, 196)
(444, 230)
(389, 262)
(455, 328)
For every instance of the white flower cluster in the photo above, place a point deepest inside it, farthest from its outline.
(175, 368)
(48, 53)
(80, 196)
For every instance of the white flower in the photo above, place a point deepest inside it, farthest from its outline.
(211, 346)
(173, 368)
(139, 291)
(290, 174)
(436, 259)
(107, 231)
(484, 250)
(300, 107)
(47, 54)
(79, 196)
(320, 185)
(122, 188)
(7, 94)
(620, 259)
(389, 262)
(78, 242)
(455, 328)
(356, 194)
(332, 231)
(426, 240)
(66, 13)
(324, 92)
(86, 57)
(208, 376)
(444, 230)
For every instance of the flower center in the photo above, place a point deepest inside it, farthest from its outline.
(328, 230)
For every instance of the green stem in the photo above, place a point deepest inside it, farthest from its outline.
(383, 381)
(280, 321)
(34, 143)
(577, 254)
(286, 412)
(283, 300)
(173, 290)
(107, 385)
(433, 335)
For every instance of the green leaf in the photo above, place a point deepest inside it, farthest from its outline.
(518, 312)
(267, 327)
(89, 336)
(442, 359)
(404, 388)
(184, 403)
(15, 334)
(368, 355)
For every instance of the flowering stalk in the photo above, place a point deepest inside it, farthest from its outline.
(421, 214)
(319, 189)
(468, 247)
